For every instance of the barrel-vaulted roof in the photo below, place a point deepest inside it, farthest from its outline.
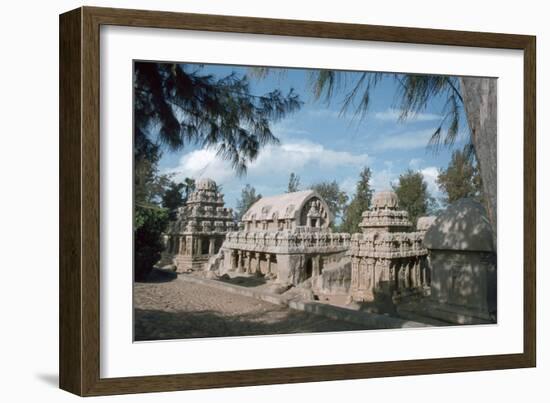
(283, 206)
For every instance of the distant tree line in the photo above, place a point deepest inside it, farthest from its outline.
(458, 180)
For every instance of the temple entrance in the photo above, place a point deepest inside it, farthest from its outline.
(309, 268)
(205, 246)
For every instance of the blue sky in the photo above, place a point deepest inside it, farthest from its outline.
(319, 144)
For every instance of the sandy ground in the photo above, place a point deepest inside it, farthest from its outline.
(168, 307)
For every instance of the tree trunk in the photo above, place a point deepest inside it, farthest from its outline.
(480, 104)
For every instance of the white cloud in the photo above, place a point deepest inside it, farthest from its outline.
(287, 128)
(430, 176)
(403, 141)
(202, 164)
(393, 115)
(383, 179)
(292, 156)
(349, 185)
(415, 163)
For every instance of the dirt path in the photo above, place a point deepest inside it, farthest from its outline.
(170, 308)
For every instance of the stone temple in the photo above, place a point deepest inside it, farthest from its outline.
(199, 230)
(444, 270)
(387, 258)
(286, 238)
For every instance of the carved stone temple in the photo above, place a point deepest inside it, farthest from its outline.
(199, 229)
(442, 271)
(387, 257)
(285, 238)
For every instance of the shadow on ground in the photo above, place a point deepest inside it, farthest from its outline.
(382, 304)
(162, 325)
(160, 276)
(245, 281)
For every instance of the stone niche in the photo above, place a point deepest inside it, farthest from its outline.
(463, 265)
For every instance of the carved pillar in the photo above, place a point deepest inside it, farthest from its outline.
(211, 245)
(399, 275)
(240, 267)
(199, 247)
(424, 267)
(181, 249)
(407, 269)
(371, 264)
(234, 259)
(392, 278)
(188, 246)
(418, 279)
(248, 261)
(354, 273)
(362, 271)
(316, 266)
(257, 270)
(268, 258)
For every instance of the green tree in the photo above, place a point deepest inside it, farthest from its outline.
(176, 105)
(150, 219)
(360, 203)
(335, 198)
(149, 184)
(149, 223)
(413, 195)
(460, 179)
(248, 198)
(293, 183)
(175, 195)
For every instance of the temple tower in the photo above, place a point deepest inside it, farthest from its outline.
(199, 229)
(387, 258)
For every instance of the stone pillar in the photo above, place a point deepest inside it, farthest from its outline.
(234, 259)
(392, 278)
(199, 247)
(372, 263)
(240, 267)
(257, 270)
(211, 245)
(407, 277)
(399, 276)
(248, 261)
(190, 245)
(181, 248)
(268, 258)
(315, 266)
(424, 265)
(418, 279)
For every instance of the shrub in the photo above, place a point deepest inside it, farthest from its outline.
(149, 224)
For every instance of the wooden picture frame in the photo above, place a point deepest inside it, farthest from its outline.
(80, 199)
